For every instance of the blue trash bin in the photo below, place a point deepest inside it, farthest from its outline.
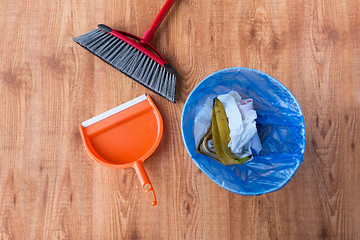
(280, 125)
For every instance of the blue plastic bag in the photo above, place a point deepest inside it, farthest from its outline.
(280, 125)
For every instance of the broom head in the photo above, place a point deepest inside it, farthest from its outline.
(133, 57)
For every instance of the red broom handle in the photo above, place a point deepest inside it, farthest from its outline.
(149, 34)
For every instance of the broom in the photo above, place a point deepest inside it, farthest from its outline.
(134, 56)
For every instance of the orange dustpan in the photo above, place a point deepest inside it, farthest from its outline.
(126, 136)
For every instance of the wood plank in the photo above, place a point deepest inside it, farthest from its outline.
(51, 189)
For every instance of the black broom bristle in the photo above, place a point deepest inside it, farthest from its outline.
(130, 61)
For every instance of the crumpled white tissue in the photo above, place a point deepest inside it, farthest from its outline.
(242, 125)
(203, 121)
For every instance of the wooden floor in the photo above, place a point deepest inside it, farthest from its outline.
(51, 189)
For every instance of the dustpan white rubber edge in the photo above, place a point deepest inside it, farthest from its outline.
(114, 111)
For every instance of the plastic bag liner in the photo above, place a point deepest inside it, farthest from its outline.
(280, 125)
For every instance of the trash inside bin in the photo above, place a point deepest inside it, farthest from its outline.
(280, 125)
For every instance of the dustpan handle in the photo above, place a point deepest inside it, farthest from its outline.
(149, 34)
(145, 182)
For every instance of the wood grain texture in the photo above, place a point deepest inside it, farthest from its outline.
(51, 189)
